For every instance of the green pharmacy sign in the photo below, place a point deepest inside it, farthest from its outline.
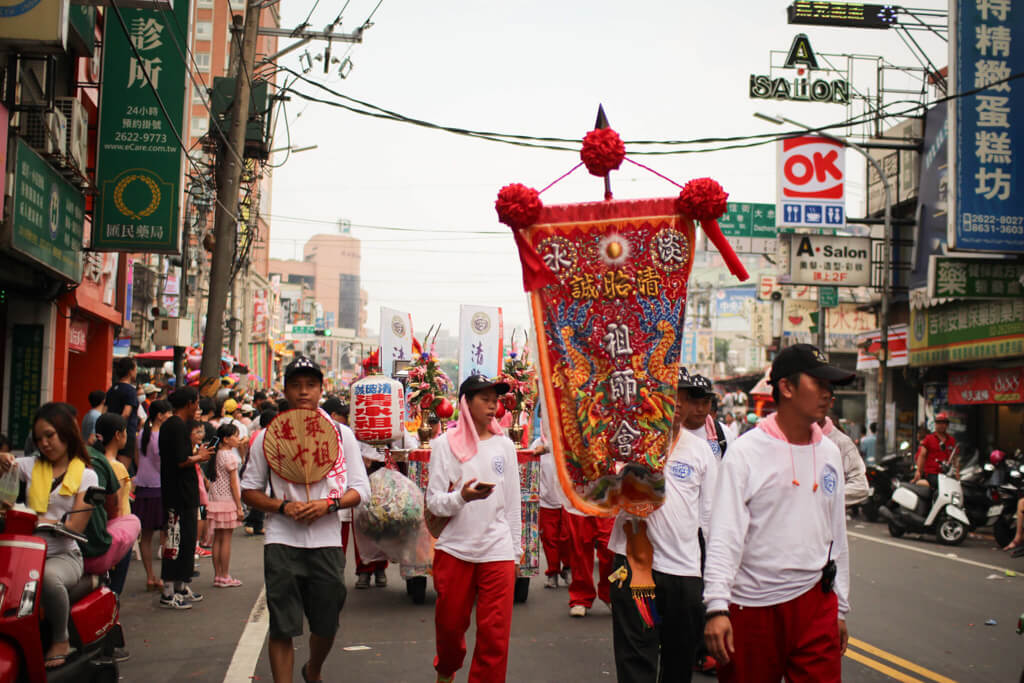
(976, 278)
(140, 159)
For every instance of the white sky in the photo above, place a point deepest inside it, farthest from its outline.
(663, 70)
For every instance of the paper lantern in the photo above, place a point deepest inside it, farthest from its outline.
(377, 409)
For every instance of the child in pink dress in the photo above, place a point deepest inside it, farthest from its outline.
(224, 511)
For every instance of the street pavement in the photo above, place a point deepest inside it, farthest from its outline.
(919, 613)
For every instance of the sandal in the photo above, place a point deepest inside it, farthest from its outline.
(1012, 545)
(60, 660)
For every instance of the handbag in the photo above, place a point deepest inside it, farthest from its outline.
(436, 523)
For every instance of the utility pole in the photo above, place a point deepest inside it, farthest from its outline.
(229, 171)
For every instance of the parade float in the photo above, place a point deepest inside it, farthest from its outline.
(607, 285)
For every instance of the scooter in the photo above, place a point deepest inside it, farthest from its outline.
(914, 508)
(93, 626)
(883, 477)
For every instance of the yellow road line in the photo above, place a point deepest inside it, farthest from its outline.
(899, 661)
(878, 666)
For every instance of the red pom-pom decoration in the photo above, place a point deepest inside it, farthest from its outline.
(603, 151)
(702, 199)
(518, 206)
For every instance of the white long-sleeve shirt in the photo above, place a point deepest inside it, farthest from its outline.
(854, 471)
(691, 473)
(324, 532)
(487, 530)
(770, 538)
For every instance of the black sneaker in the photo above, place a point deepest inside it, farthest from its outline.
(363, 581)
(380, 579)
(175, 601)
(190, 596)
(121, 654)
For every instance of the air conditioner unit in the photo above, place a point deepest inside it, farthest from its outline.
(77, 139)
(45, 131)
(172, 332)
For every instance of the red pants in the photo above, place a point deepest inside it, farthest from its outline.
(360, 567)
(554, 536)
(798, 640)
(459, 584)
(588, 534)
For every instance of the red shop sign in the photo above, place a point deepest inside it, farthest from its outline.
(78, 334)
(972, 387)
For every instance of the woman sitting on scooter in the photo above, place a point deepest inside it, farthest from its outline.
(56, 479)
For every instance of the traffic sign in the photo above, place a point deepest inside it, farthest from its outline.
(750, 228)
(828, 297)
(811, 183)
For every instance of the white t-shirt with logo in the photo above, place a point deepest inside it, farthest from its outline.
(691, 474)
(488, 530)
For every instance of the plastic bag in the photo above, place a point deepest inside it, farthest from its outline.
(392, 519)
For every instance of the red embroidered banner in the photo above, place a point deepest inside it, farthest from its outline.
(989, 385)
(608, 335)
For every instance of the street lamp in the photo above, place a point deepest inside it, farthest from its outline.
(294, 150)
(886, 261)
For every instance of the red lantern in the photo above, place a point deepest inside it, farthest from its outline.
(500, 412)
(445, 409)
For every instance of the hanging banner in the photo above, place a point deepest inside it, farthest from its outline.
(481, 331)
(986, 150)
(988, 385)
(139, 161)
(395, 338)
(609, 333)
(869, 345)
(26, 351)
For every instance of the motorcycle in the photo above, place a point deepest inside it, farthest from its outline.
(883, 477)
(914, 508)
(93, 624)
(982, 498)
(1005, 525)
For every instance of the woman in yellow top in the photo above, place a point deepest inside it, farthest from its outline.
(56, 481)
(112, 435)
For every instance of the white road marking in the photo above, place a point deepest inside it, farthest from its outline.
(250, 645)
(944, 556)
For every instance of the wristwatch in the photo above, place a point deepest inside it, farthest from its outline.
(280, 509)
(335, 504)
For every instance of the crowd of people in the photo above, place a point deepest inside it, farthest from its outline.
(750, 539)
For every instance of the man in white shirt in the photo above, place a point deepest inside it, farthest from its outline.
(303, 563)
(776, 581)
(695, 394)
(640, 652)
(854, 471)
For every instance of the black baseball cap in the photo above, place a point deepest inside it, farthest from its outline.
(698, 386)
(475, 383)
(809, 360)
(334, 405)
(303, 365)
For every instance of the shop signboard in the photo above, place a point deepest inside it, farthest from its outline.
(973, 278)
(986, 386)
(78, 335)
(843, 14)
(966, 331)
(986, 150)
(828, 260)
(733, 307)
(26, 380)
(844, 324)
(47, 215)
(800, 78)
(139, 163)
(35, 23)
(933, 198)
(869, 345)
(811, 183)
(750, 228)
(481, 331)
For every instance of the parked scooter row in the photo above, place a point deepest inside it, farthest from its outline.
(93, 626)
(983, 495)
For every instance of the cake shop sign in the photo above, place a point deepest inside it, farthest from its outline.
(800, 85)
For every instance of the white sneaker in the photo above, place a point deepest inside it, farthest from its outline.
(577, 611)
(191, 596)
(176, 601)
(552, 581)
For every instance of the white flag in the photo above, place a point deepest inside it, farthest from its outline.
(395, 338)
(480, 336)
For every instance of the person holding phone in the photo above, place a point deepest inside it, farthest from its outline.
(474, 482)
